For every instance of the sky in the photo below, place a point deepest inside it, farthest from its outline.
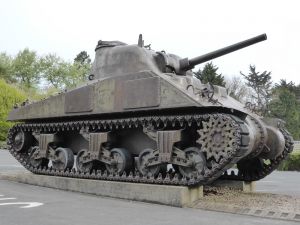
(187, 28)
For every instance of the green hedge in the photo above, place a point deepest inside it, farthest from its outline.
(9, 96)
(292, 163)
(3, 145)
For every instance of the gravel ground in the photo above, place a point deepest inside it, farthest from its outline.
(228, 200)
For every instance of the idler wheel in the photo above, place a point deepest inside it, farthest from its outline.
(22, 141)
(197, 163)
(80, 164)
(64, 159)
(121, 161)
(143, 161)
(37, 162)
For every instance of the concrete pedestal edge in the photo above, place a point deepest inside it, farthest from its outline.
(162, 194)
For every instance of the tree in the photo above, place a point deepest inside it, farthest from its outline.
(83, 58)
(209, 75)
(286, 107)
(61, 74)
(79, 70)
(283, 84)
(76, 74)
(6, 68)
(9, 96)
(27, 68)
(54, 70)
(260, 83)
(237, 89)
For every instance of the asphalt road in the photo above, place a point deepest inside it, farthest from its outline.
(7, 162)
(61, 207)
(278, 182)
(55, 207)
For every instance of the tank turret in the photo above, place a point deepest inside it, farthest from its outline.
(119, 60)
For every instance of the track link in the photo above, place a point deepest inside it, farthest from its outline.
(170, 178)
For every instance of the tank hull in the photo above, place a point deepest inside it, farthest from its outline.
(142, 114)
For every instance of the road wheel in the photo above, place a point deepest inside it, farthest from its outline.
(81, 165)
(121, 161)
(64, 159)
(143, 161)
(37, 162)
(197, 163)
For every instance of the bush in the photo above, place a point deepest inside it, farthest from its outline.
(292, 163)
(3, 145)
(4, 127)
(9, 96)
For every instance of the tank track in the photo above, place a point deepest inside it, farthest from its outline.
(170, 178)
(267, 168)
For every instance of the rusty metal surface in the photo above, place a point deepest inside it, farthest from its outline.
(117, 63)
(95, 143)
(141, 93)
(44, 140)
(79, 100)
(165, 142)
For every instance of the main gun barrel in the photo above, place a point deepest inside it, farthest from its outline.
(187, 64)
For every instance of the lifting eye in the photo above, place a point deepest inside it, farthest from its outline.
(91, 77)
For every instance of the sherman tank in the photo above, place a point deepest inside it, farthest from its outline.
(143, 117)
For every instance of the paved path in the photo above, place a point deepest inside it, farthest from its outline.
(8, 162)
(61, 207)
(278, 182)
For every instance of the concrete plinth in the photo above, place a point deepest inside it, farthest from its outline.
(162, 194)
(235, 184)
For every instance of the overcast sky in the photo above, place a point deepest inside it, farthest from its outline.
(186, 28)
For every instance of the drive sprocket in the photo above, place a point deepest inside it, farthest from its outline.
(217, 138)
